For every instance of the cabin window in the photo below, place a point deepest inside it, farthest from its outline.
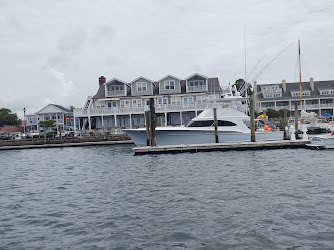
(226, 123)
(141, 86)
(169, 84)
(207, 123)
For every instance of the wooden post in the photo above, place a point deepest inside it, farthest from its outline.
(285, 122)
(296, 120)
(147, 124)
(60, 135)
(216, 124)
(265, 117)
(264, 123)
(252, 117)
(153, 123)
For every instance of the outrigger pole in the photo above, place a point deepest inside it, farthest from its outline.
(300, 77)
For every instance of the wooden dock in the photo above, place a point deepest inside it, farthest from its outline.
(68, 144)
(241, 146)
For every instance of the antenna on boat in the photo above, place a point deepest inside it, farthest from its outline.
(245, 52)
(300, 77)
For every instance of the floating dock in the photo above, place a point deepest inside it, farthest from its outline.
(68, 144)
(227, 146)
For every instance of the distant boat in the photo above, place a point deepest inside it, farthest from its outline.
(232, 127)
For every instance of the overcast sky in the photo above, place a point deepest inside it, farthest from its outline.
(55, 51)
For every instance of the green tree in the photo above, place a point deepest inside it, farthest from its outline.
(72, 108)
(8, 118)
(45, 125)
(239, 83)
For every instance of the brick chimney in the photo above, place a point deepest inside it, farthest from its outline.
(312, 83)
(102, 80)
(284, 85)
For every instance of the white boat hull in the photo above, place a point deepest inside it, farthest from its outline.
(322, 142)
(184, 136)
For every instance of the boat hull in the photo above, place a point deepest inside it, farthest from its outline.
(322, 142)
(181, 137)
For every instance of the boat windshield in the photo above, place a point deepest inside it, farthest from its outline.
(209, 123)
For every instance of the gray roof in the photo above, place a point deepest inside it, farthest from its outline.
(295, 86)
(100, 93)
(213, 86)
(61, 107)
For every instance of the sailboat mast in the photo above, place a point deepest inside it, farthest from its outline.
(300, 76)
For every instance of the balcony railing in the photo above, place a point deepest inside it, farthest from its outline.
(196, 88)
(140, 110)
(306, 106)
(115, 93)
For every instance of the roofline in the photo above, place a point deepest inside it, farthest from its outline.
(54, 105)
(143, 78)
(169, 76)
(198, 74)
(115, 79)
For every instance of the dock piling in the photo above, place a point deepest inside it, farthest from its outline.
(216, 124)
(148, 124)
(252, 116)
(153, 123)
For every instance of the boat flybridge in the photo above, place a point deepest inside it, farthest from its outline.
(233, 126)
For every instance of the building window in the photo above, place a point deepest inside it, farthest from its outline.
(169, 84)
(141, 86)
(125, 103)
(112, 88)
(196, 85)
(175, 100)
(201, 98)
(136, 102)
(326, 92)
(162, 101)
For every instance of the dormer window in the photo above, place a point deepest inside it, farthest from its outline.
(141, 86)
(196, 85)
(169, 85)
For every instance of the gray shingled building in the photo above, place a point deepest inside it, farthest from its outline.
(122, 104)
(317, 96)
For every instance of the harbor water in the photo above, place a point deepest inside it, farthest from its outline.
(105, 197)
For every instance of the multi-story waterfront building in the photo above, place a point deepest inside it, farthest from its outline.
(54, 112)
(121, 104)
(317, 96)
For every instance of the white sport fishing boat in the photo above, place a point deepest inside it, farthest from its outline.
(232, 127)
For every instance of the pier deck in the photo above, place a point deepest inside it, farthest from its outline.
(68, 144)
(220, 147)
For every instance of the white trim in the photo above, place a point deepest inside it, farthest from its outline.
(141, 77)
(168, 82)
(107, 99)
(170, 77)
(141, 83)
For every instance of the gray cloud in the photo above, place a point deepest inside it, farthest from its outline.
(55, 51)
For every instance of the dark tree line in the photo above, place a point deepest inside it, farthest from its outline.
(8, 118)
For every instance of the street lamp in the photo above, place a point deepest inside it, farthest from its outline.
(24, 118)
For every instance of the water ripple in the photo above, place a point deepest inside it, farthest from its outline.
(104, 197)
